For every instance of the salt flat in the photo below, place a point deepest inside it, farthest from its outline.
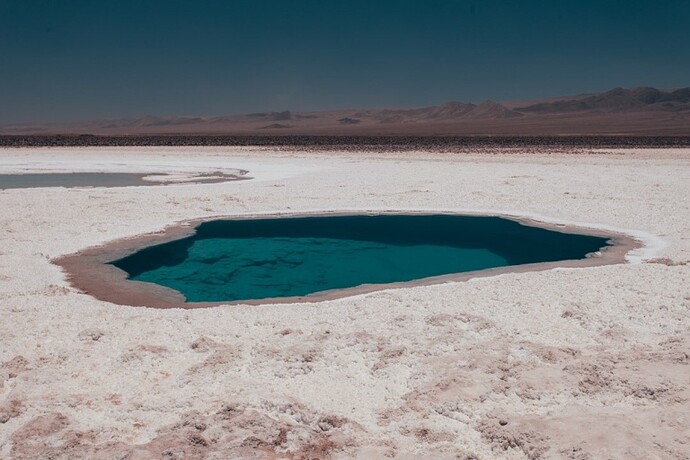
(566, 363)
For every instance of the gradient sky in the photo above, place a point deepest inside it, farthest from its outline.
(84, 59)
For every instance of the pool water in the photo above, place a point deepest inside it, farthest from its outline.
(101, 179)
(230, 260)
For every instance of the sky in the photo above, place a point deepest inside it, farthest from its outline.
(95, 59)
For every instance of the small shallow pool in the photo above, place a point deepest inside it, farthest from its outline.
(234, 260)
(103, 179)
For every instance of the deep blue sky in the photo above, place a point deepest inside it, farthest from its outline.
(82, 59)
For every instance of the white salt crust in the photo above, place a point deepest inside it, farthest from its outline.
(589, 362)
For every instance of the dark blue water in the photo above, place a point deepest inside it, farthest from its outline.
(230, 260)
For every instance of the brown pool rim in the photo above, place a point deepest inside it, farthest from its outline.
(90, 271)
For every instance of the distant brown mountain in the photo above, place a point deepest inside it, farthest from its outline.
(636, 111)
(492, 111)
(619, 100)
(450, 110)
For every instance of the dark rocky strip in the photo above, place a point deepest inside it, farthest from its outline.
(351, 143)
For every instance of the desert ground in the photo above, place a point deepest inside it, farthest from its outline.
(577, 363)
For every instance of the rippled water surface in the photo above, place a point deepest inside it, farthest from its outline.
(232, 260)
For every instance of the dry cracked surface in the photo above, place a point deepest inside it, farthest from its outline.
(457, 386)
(574, 363)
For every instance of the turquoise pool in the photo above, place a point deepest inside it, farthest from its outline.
(231, 260)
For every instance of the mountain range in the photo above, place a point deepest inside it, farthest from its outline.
(636, 111)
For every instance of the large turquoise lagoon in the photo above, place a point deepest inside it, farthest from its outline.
(247, 259)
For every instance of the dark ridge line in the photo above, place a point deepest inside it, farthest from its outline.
(373, 142)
